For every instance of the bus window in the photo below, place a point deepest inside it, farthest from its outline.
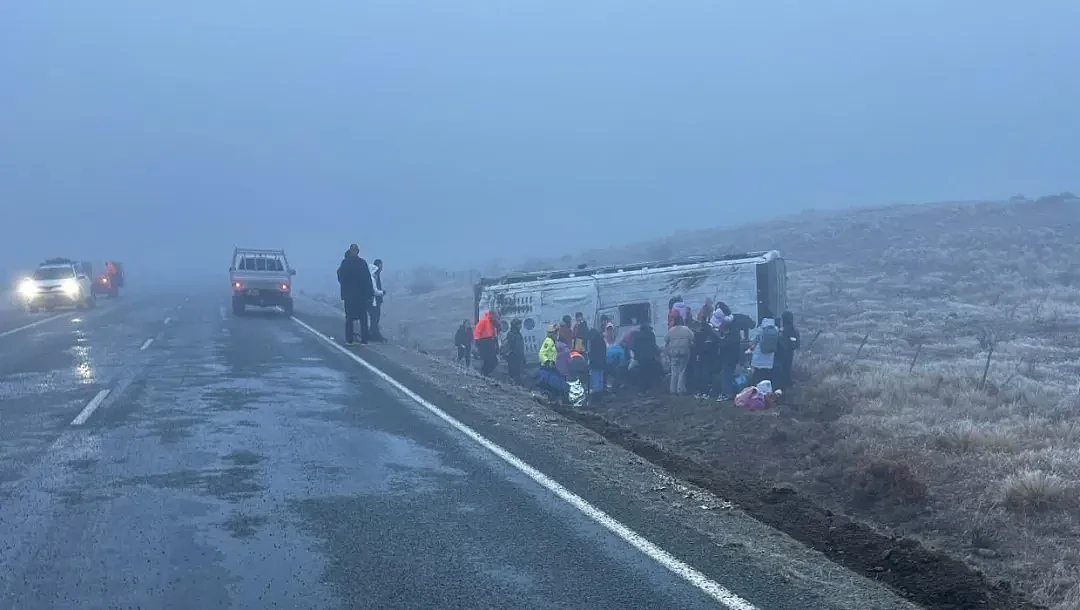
(634, 313)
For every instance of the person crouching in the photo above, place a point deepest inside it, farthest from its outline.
(548, 378)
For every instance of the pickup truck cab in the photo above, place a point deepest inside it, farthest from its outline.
(261, 278)
(57, 283)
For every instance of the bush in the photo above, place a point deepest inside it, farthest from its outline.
(1034, 490)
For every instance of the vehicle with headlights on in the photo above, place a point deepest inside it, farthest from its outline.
(57, 283)
(261, 278)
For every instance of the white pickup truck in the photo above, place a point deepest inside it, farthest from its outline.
(261, 278)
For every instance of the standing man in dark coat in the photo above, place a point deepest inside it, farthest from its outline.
(376, 308)
(357, 292)
(514, 350)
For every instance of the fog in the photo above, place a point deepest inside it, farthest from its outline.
(455, 132)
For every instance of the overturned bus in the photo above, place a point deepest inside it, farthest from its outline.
(750, 283)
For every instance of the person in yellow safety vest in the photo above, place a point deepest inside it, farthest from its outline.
(548, 353)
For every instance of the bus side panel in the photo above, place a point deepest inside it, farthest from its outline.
(537, 306)
(732, 284)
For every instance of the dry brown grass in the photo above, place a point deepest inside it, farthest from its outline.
(903, 305)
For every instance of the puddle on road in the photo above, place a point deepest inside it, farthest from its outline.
(214, 368)
(241, 525)
(231, 484)
(83, 362)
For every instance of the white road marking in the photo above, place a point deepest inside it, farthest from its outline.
(33, 324)
(222, 310)
(90, 407)
(167, 320)
(147, 343)
(700, 581)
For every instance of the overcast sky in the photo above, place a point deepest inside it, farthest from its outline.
(449, 132)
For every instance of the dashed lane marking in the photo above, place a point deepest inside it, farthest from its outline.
(90, 407)
(37, 323)
(146, 344)
(703, 583)
(167, 320)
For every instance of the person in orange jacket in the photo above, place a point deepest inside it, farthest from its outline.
(486, 336)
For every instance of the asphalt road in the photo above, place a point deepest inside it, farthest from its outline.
(157, 452)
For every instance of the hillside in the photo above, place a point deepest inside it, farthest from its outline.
(939, 396)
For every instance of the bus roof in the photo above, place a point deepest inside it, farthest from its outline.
(583, 270)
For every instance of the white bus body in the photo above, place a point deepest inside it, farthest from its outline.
(750, 283)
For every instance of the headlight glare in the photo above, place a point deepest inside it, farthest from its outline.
(27, 288)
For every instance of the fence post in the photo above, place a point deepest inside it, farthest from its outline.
(986, 369)
(918, 350)
(861, 345)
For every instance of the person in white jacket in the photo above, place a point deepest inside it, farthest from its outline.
(376, 305)
(763, 343)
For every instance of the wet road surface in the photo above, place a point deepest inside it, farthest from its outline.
(235, 462)
(158, 452)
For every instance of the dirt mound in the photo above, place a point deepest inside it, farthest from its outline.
(927, 577)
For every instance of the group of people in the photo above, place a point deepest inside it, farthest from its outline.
(362, 291)
(485, 336)
(703, 352)
(706, 351)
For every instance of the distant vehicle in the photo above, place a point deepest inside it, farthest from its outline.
(58, 282)
(751, 283)
(110, 280)
(261, 278)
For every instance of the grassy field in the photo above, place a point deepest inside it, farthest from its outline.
(939, 396)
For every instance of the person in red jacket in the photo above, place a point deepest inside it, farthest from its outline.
(486, 336)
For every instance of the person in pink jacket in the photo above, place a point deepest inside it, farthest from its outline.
(677, 307)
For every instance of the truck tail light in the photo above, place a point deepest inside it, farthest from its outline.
(284, 287)
(237, 285)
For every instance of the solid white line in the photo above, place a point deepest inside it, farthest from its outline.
(702, 582)
(90, 407)
(33, 324)
(147, 343)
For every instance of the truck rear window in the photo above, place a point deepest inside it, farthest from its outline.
(54, 273)
(261, 263)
